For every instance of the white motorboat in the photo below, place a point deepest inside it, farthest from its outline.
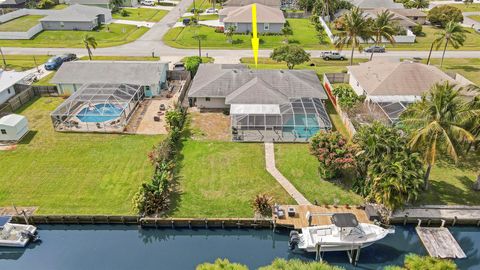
(344, 234)
(16, 235)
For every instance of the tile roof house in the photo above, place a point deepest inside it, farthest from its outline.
(77, 17)
(12, 3)
(241, 3)
(264, 105)
(269, 20)
(151, 75)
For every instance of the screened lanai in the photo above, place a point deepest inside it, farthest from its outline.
(98, 108)
(295, 121)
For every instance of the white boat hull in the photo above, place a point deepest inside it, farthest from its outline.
(11, 236)
(331, 238)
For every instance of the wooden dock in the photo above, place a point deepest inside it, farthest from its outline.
(322, 218)
(440, 243)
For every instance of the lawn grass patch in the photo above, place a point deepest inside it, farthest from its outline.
(203, 5)
(59, 6)
(106, 36)
(221, 179)
(23, 62)
(452, 183)
(475, 17)
(205, 60)
(474, 7)
(467, 67)
(73, 173)
(45, 81)
(141, 14)
(20, 24)
(304, 34)
(301, 168)
(472, 42)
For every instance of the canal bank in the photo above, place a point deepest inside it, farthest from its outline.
(128, 247)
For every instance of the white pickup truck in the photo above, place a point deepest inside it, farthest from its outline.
(332, 56)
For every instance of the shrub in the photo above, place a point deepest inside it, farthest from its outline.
(418, 30)
(45, 4)
(414, 262)
(441, 15)
(124, 13)
(295, 264)
(333, 152)
(347, 98)
(291, 54)
(192, 63)
(220, 264)
(262, 204)
(219, 29)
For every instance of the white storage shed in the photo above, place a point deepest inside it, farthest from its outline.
(13, 127)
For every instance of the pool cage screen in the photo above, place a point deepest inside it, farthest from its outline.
(98, 108)
(295, 121)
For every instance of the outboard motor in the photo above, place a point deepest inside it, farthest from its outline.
(32, 237)
(294, 240)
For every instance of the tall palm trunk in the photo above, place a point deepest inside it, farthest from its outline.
(430, 53)
(351, 55)
(199, 48)
(444, 49)
(376, 44)
(89, 52)
(476, 186)
(427, 176)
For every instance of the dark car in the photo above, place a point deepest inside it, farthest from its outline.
(53, 63)
(186, 21)
(179, 66)
(375, 49)
(196, 10)
(68, 57)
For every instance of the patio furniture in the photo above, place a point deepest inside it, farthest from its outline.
(291, 211)
(280, 213)
(156, 119)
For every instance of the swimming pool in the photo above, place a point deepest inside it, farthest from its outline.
(305, 126)
(100, 113)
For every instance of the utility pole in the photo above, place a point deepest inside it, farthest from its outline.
(36, 65)
(3, 58)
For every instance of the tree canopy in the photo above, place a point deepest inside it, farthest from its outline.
(291, 54)
(441, 15)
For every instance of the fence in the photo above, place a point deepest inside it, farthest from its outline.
(22, 35)
(296, 15)
(19, 13)
(338, 78)
(182, 76)
(25, 93)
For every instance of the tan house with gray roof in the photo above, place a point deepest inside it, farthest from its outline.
(269, 20)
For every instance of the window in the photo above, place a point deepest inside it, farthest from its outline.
(207, 99)
(62, 24)
(415, 18)
(266, 26)
(147, 88)
(8, 90)
(3, 131)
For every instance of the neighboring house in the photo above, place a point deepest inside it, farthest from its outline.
(269, 20)
(12, 3)
(396, 19)
(264, 105)
(416, 15)
(151, 75)
(77, 17)
(394, 85)
(241, 3)
(373, 4)
(102, 3)
(13, 127)
(8, 79)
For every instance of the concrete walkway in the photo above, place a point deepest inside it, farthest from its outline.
(137, 23)
(272, 169)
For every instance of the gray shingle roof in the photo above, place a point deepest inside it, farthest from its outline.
(241, 3)
(244, 14)
(115, 72)
(369, 4)
(90, 2)
(255, 86)
(76, 13)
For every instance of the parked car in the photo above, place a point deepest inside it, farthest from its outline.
(193, 10)
(332, 56)
(148, 3)
(211, 10)
(186, 21)
(53, 63)
(378, 49)
(179, 66)
(68, 57)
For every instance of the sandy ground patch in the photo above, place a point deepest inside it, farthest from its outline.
(210, 126)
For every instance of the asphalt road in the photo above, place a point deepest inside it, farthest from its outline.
(151, 41)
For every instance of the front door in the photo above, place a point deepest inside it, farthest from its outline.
(148, 91)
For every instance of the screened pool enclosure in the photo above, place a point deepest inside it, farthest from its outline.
(295, 121)
(98, 108)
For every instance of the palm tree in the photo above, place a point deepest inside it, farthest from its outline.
(199, 38)
(454, 34)
(356, 29)
(229, 32)
(420, 4)
(90, 43)
(213, 2)
(436, 121)
(382, 28)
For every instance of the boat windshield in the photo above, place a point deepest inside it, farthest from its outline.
(4, 220)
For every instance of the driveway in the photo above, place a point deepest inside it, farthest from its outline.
(467, 22)
(137, 23)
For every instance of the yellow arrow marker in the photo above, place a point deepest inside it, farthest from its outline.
(255, 40)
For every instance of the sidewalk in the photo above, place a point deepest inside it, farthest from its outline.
(137, 23)
(272, 169)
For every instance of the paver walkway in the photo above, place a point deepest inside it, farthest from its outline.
(272, 169)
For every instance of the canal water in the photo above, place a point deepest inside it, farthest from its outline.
(125, 247)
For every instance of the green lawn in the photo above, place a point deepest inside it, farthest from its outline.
(472, 42)
(221, 179)
(301, 168)
(475, 17)
(45, 81)
(304, 34)
(467, 8)
(452, 184)
(203, 4)
(70, 173)
(20, 24)
(23, 62)
(467, 67)
(106, 36)
(141, 14)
